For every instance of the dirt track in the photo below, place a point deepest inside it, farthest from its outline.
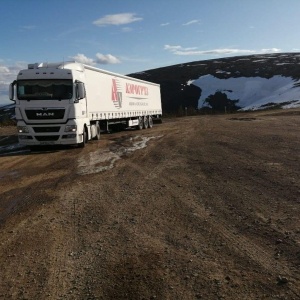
(209, 209)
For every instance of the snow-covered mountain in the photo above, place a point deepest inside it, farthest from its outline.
(245, 82)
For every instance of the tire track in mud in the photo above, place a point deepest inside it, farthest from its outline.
(32, 206)
(70, 260)
(63, 254)
(39, 187)
(167, 222)
(83, 257)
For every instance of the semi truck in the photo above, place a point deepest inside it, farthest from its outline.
(70, 103)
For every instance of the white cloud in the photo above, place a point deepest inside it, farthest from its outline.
(178, 50)
(4, 69)
(117, 19)
(191, 22)
(100, 59)
(8, 73)
(164, 24)
(83, 59)
(172, 48)
(106, 59)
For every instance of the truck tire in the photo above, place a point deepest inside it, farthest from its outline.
(150, 122)
(97, 136)
(84, 138)
(145, 122)
(141, 124)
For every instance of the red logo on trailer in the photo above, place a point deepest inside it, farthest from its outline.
(136, 89)
(116, 93)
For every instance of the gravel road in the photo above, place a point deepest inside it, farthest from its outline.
(203, 207)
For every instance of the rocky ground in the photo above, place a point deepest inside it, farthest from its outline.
(203, 207)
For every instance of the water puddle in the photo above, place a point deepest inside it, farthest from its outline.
(104, 159)
(97, 161)
(12, 149)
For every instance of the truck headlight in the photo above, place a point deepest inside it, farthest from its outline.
(23, 129)
(71, 128)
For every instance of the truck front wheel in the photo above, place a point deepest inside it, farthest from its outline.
(97, 136)
(84, 138)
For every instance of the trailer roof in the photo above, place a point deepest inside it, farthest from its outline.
(118, 75)
(74, 65)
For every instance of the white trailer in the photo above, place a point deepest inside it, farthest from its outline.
(71, 103)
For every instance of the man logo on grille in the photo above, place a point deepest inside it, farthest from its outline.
(116, 94)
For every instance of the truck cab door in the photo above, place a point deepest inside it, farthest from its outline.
(81, 97)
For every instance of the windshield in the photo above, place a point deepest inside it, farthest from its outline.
(45, 89)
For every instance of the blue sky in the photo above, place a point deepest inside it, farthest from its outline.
(127, 36)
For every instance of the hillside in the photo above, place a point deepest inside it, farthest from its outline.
(247, 82)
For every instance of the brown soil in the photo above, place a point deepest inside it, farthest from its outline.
(209, 209)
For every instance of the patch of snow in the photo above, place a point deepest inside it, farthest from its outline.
(252, 92)
(222, 72)
(199, 65)
(294, 104)
(259, 60)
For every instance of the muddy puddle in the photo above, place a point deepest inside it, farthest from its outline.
(105, 159)
(11, 149)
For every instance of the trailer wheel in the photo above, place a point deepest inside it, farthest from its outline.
(145, 122)
(141, 124)
(84, 138)
(150, 122)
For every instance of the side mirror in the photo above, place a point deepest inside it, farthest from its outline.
(80, 90)
(12, 91)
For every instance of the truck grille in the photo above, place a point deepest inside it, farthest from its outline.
(45, 114)
(42, 138)
(46, 129)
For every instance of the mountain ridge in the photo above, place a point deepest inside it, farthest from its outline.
(185, 85)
